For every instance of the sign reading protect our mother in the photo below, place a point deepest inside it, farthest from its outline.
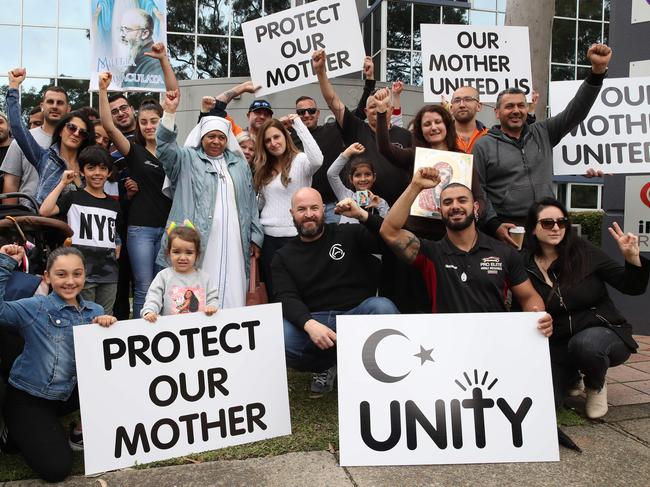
(279, 47)
(489, 59)
(444, 388)
(186, 384)
(121, 32)
(614, 137)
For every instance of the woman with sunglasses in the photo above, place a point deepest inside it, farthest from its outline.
(149, 207)
(589, 333)
(73, 133)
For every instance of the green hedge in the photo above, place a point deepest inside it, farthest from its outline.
(591, 222)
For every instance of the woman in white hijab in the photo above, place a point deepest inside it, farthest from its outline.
(212, 187)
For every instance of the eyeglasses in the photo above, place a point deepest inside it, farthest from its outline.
(125, 30)
(302, 111)
(120, 109)
(464, 99)
(73, 129)
(549, 223)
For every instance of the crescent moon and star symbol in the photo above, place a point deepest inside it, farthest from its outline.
(369, 356)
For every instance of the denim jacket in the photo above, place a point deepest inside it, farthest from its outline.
(46, 367)
(48, 162)
(194, 185)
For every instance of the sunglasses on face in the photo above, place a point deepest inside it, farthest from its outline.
(122, 109)
(549, 223)
(302, 111)
(73, 129)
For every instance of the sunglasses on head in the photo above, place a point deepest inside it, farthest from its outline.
(302, 111)
(549, 223)
(73, 129)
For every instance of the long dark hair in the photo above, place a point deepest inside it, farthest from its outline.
(571, 264)
(418, 137)
(147, 105)
(90, 140)
(264, 161)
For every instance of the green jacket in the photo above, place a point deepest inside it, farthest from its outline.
(194, 188)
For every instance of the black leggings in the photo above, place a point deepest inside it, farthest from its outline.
(36, 432)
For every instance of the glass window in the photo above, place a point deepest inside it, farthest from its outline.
(417, 69)
(214, 17)
(606, 10)
(39, 51)
(564, 39)
(590, 9)
(423, 14)
(77, 90)
(273, 6)
(74, 13)
(398, 66)
(398, 35)
(38, 12)
(137, 97)
(606, 33)
(376, 30)
(367, 34)
(10, 12)
(562, 73)
(242, 11)
(212, 57)
(478, 17)
(501, 5)
(566, 8)
(74, 49)
(4, 86)
(453, 15)
(238, 61)
(501, 19)
(10, 57)
(181, 16)
(485, 4)
(584, 196)
(582, 72)
(588, 34)
(181, 55)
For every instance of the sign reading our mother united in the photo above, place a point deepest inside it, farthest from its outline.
(489, 59)
(186, 384)
(444, 388)
(614, 137)
(279, 47)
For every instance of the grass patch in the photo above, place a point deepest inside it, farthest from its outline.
(314, 425)
(568, 417)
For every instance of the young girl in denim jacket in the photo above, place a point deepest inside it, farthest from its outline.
(43, 379)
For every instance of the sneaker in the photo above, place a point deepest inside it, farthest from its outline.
(76, 440)
(323, 382)
(577, 389)
(596, 406)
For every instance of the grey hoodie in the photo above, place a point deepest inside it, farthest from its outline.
(516, 173)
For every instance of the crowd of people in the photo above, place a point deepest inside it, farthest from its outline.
(326, 211)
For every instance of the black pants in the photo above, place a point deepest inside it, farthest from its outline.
(270, 246)
(36, 433)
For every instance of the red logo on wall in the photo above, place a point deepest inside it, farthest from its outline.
(645, 194)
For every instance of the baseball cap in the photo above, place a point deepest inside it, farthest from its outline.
(260, 105)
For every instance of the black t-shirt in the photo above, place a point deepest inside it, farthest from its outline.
(333, 273)
(93, 221)
(469, 282)
(329, 139)
(149, 206)
(391, 180)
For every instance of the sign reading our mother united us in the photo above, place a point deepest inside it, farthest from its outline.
(444, 388)
(186, 384)
(489, 59)
(279, 47)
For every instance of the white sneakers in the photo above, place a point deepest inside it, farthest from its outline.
(596, 405)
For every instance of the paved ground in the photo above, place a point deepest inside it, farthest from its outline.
(616, 452)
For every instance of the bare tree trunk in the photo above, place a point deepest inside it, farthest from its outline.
(538, 16)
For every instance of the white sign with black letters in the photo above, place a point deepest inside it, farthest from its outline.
(615, 135)
(490, 59)
(186, 384)
(444, 388)
(279, 47)
(637, 209)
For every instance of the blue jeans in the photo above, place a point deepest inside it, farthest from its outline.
(143, 244)
(300, 351)
(330, 216)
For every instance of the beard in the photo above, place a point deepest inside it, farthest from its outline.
(457, 225)
(311, 231)
(4, 136)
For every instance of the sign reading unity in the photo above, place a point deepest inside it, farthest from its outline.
(490, 59)
(185, 384)
(615, 135)
(444, 388)
(279, 47)
(121, 32)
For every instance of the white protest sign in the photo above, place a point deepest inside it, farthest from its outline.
(279, 46)
(186, 384)
(614, 137)
(444, 388)
(637, 209)
(120, 34)
(490, 59)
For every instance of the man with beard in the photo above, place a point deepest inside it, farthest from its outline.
(5, 137)
(322, 272)
(467, 271)
(464, 107)
(136, 31)
(515, 160)
(19, 174)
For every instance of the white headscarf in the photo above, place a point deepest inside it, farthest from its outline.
(208, 124)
